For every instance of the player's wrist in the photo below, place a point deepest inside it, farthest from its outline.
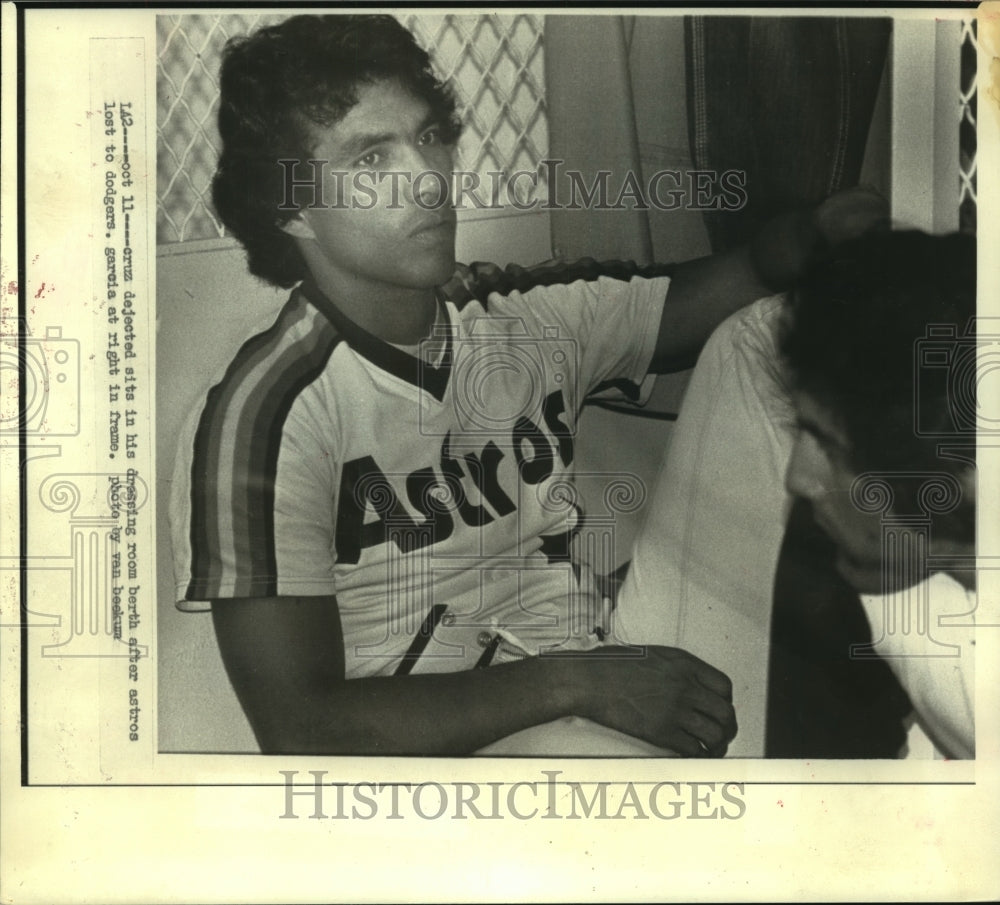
(589, 684)
(569, 681)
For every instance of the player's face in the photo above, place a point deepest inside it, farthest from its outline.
(388, 222)
(820, 472)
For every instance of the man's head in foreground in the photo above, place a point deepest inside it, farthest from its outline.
(358, 95)
(874, 392)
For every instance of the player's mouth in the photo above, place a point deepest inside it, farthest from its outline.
(826, 525)
(864, 577)
(861, 573)
(437, 227)
(823, 523)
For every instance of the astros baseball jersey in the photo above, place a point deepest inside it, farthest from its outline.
(432, 493)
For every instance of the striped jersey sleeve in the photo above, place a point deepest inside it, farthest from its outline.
(612, 308)
(225, 480)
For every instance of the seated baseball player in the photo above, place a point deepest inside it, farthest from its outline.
(835, 402)
(375, 499)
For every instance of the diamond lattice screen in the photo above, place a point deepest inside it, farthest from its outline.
(494, 63)
(967, 145)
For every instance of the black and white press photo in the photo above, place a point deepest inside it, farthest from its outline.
(539, 386)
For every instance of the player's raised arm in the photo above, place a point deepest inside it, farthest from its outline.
(285, 659)
(705, 291)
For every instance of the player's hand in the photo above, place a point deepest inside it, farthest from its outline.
(786, 244)
(668, 697)
(851, 213)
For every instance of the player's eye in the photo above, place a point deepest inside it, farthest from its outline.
(370, 160)
(431, 136)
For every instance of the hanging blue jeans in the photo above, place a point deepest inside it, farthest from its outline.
(788, 100)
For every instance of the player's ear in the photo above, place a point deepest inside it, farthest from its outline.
(298, 227)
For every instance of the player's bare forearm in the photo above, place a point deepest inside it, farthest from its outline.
(703, 293)
(436, 714)
(458, 713)
(285, 658)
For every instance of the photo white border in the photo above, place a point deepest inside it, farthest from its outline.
(209, 827)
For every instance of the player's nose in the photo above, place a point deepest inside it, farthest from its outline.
(430, 176)
(805, 475)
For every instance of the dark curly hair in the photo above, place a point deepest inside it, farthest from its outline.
(852, 337)
(275, 85)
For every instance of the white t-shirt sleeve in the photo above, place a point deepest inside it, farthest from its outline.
(933, 660)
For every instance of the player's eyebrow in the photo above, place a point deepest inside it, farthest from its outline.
(827, 438)
(357, 143)
(364, 140)
(805, 423)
